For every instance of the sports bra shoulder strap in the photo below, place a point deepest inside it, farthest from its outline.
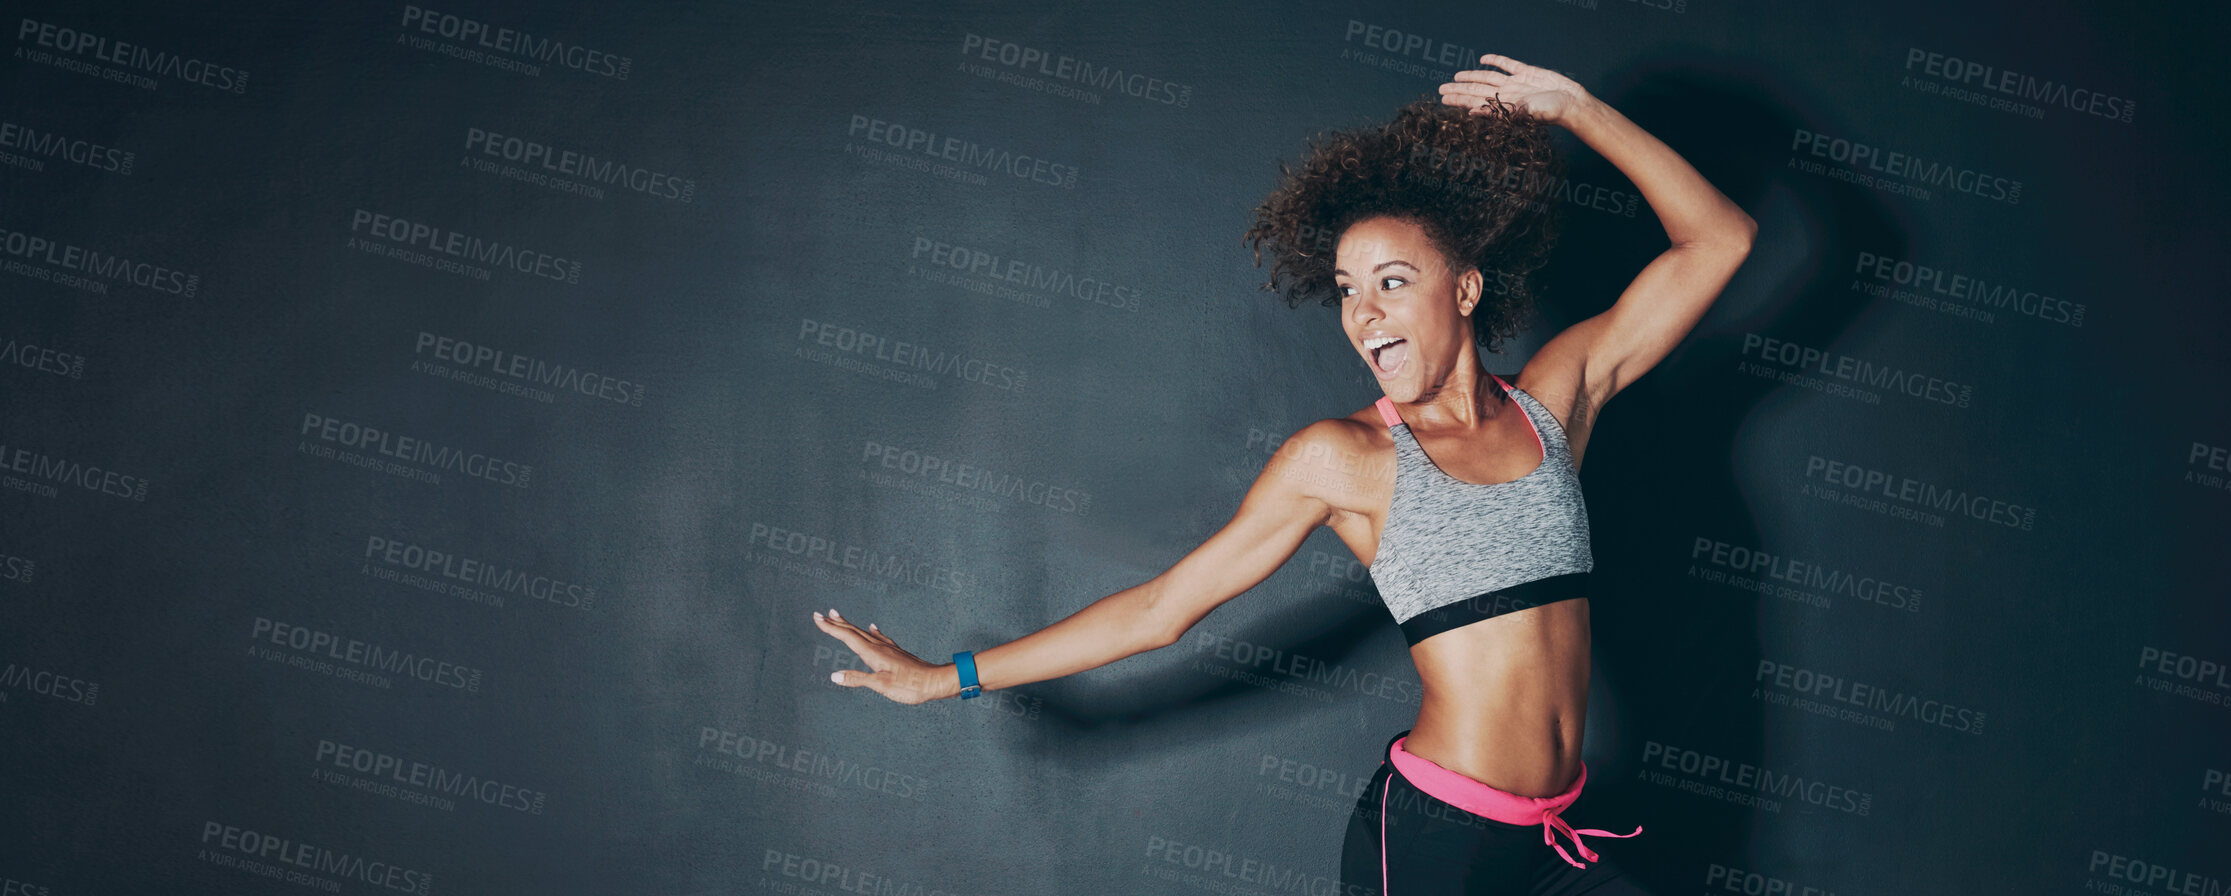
(1544, 421)
(1386, 411)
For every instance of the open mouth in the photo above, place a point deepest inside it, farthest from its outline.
(1387, 353)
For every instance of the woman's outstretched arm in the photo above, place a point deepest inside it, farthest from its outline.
(1283, 506)
(1710, 235)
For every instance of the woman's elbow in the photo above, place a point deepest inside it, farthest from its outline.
(1155, 622)
(1734, 236)
(1160, 633)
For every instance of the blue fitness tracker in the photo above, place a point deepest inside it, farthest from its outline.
(966, 662)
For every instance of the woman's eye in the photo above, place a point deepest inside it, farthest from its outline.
(1390, 282)
(1346, 291)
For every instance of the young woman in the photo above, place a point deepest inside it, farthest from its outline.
(1466, 505)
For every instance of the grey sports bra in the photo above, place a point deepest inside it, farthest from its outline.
(1453, 552)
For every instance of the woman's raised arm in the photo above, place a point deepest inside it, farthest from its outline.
(1594, 359)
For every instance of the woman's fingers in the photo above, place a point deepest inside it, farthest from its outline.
(838, 621)
(850, 634)
(855, 678)
(892, 671)
(840, 624)
(888, 683)
(1468, 94)
(1475, 99)
(1474, 87)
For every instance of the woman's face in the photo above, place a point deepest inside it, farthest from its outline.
(1404, 310)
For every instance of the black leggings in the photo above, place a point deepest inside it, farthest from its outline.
(1436, 849)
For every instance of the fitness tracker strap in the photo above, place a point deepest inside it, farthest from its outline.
(965, 661)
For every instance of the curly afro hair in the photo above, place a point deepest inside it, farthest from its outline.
(1479, 184)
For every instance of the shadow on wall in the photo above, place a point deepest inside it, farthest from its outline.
(1676, 654)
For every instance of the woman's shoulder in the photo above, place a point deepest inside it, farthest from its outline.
(1343, 443)
(1346, 462)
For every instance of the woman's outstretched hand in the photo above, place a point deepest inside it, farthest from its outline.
(893, 672)
(1542, 93)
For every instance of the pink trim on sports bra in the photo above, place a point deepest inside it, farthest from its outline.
(1509, 808)
(1529, 417)
(1387, 413)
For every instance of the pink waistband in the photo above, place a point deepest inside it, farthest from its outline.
(1509, 808)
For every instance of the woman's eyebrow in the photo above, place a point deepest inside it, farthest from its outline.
(1381, 266)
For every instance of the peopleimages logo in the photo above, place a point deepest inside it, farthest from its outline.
(1220, 870)
(1840, 697)
(247, 849)
(990, 266)
(69, 264)
(967, 154)
(968, 477)
(1410, 44)
(2208, 465)
(522, 374)
(1867, 160)
(2184, 675)
(479, 36)
(31, 141)
(42, 358)
(17, 569)
(426, 455)
(1310, 462)
(1063, 67)
(1292, 672)
(1720, 878)
(1968, 73)
(1342, 785)
(130, 58)
(365, 657)
(433, 784)
(901, 359)
(1937, 288)
(1493, 179)
(43, 468)
(818, 875)
(2215, 789)
(1799, 362)
(48, 683)
(424, 244)
(1909, 492)
(13, 887)
(810, 765)
(1753, 569)
(469, 574)
(543, 158)
(865, 561)
(2124, 870)
(1745, 783)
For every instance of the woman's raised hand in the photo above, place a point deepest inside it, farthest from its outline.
(893, 672)
(1542, 93)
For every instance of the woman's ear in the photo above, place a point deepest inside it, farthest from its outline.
(1468, 287)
